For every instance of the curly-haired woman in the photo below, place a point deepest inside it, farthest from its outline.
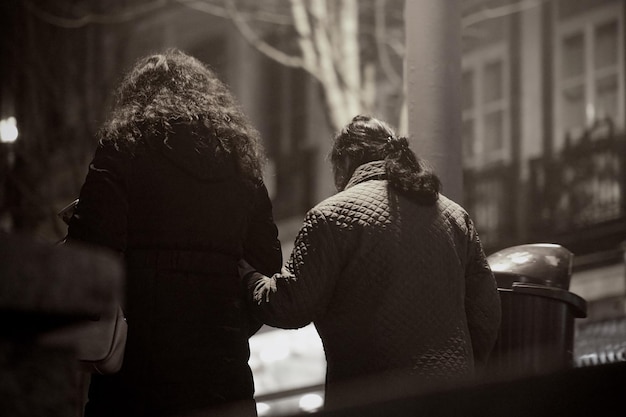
(175, 187)
(391, 273)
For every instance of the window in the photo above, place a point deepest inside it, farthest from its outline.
(485, 106)
(589, 72)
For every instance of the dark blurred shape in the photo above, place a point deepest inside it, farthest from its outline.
(538, 312)
(44, 289)
(580, 392)
(66, 212)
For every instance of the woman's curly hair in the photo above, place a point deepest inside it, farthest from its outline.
(169, 89)
(366, 139)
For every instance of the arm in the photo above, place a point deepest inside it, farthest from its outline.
(262, 248)
(100, 217)
(482, 301)
(300, 293)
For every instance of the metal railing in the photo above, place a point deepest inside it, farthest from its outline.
(584, 185)
(576, 197)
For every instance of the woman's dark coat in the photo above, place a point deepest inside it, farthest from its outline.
(182, 218)
(400, 293)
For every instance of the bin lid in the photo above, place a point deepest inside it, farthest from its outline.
(538, 263)
(577, 304)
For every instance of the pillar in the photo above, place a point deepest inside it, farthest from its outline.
(433, 83)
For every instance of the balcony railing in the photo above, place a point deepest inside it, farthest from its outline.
(578, 197)
(488, 199)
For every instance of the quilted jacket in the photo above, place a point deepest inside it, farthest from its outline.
(182, 218)
(393, 287)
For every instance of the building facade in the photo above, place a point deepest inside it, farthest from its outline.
(544, 143)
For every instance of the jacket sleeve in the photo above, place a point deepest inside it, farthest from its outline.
(262, 248)
(261, 251)
(304, 287)
(482, 301)
(101, 215)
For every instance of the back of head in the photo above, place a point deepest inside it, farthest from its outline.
(366, 139)
(170, 90)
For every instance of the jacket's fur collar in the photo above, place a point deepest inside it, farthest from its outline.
(374, 170)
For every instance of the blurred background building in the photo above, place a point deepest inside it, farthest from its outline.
(542, 106)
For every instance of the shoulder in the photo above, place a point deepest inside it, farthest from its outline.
(110, 159)
(455, 214)
(357, 202)
(451, 208)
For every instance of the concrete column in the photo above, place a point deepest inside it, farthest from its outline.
(433, 81)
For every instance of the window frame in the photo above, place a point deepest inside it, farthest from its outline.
(586, 24)
(476, 62)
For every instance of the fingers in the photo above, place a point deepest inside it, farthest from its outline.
(285, 275)
(262, 289)
(267, 294)
(264, 286)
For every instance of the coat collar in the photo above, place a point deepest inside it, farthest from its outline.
(374, 170)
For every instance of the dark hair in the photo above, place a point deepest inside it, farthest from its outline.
(165, 90)
(366, 139)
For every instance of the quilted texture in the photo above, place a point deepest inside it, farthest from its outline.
(390, 285)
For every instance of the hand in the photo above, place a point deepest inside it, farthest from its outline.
(263, 287)
(285, 274)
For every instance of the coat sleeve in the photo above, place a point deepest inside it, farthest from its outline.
(261, 251)
(302, 291)
(101, 215)
(262, 248)
(482, 301)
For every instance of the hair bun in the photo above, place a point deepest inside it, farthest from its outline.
(396, 144)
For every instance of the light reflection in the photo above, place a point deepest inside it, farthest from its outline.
(8, 130)
(283, 360)
(520, 257)
(311, 402)
(262, 409)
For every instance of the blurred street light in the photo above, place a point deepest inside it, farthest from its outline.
(8, 130)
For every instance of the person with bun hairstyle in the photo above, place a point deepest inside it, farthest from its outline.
(391, 272)
(175, 188)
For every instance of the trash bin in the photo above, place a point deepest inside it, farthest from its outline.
(538, 310)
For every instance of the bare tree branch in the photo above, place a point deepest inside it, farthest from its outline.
(253, 39)
(103, 19)
(133, 12)
(397, 46)
(329, 42)
(492, 13)
(303, 27)
(275, 18)
(211, 8)
(205, 7)
(349, 64)
(368, 90)
(339, 107)
(380, 36)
